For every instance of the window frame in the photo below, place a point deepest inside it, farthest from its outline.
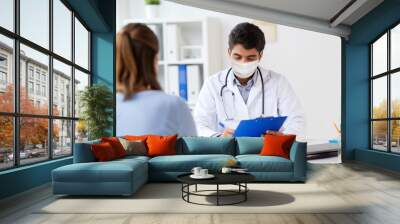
(388, 74)
(16, 115)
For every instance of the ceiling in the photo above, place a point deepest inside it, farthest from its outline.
(326, 16)
(320, 9)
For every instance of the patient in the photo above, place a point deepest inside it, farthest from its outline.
(142, 107)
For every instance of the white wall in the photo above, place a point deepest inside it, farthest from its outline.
(311, 61)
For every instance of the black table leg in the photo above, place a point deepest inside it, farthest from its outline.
(245, 193)
(188, 190)
(195, 188)
(217, 194)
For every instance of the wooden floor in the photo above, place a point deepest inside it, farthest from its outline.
(377, 188)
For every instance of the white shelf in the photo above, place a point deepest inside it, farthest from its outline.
(199, 35)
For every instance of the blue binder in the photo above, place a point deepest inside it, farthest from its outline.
(259, 126)
(183, 92)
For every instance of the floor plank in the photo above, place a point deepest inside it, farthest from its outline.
(377, 189)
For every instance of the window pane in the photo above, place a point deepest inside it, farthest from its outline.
(379, 55)
(379, 135)
(395, 136)
(7, 14)
(395, 47)
(379, 98)
(395, 94)
(6, 74)
(81, 81)
(81, 45)
(62, 29)
(35, 21)
(62, 138)
(6, 142)
(62, 89)
(33, 139)
(34, 72)
(81, 131)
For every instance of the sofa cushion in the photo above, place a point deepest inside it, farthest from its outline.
(257, 163)
(277, 145)
(83, 152)
(136, 137)
(103, 152)
(136, 147)
(116, 145)
(185, 163)
(131, 158)
(206, 145)
(249, 145)
(111, 171)
(161, 145)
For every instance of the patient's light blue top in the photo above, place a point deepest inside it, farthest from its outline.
(153, 112)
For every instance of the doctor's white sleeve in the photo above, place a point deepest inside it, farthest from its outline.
(289, 105)
(205, 113)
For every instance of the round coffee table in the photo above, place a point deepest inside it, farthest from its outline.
(238, 179)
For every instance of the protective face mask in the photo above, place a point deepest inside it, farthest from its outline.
(244, 70)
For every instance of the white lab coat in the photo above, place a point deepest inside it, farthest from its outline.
(280, 100)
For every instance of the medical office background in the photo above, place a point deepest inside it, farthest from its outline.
(195, 41)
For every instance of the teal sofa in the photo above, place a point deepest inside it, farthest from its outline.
(125, 176)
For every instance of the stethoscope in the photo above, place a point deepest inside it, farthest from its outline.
(233, 94)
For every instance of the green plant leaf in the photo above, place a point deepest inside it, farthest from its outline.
(152, 2)
(97, 103)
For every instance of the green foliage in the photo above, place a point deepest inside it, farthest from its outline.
(152, 2)
(96, 102)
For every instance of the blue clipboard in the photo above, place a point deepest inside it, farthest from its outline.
(259, 126)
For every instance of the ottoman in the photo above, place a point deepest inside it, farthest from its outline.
(118, 177)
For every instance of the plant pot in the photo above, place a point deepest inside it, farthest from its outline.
(152, 11)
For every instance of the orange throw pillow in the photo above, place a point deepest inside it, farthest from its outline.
(116, 145)
(161, 145)
(136, 137)
(277, 145)
(103, 152)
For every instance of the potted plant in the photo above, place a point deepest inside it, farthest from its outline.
(96, 102)
(152, 8)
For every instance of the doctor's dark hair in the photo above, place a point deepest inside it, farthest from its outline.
(248, 35)
(136, 51)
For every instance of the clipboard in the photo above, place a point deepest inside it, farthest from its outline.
(259, 126)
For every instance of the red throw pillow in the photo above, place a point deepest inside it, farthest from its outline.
(277, 145)
(161, 145)
(116, 145)
(103, 151)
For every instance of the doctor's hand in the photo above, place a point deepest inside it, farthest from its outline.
(227, 132)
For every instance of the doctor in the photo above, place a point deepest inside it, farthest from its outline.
(246, 90)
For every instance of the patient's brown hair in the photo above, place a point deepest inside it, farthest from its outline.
(137, 48)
